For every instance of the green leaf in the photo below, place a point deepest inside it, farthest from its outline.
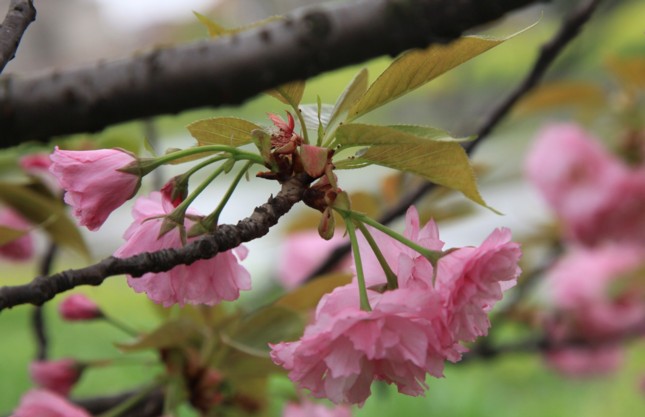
(352, 93)
(414, 68)
(307, 296)
(7, 234)
(229, 131)
(443, 162)
(46, 212)
(290, 93)
(170, 334)
(213, 28)
(271, 324)
(428, 132)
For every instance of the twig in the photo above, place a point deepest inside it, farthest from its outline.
(549, 51)
(21, 13)
(225, 237)
(231, 69)
(38, 317)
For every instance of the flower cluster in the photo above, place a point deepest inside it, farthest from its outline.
(410, 331)
(596, 286)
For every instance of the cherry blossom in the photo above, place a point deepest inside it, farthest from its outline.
(42, 403)
(207, 281)
(410, 331)
(79, 307)
(93, 183)
(58, 376)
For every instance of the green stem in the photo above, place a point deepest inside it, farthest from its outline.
(121, 326)
(181, 208)
(301, 119)
(212, 218)
(235, 153)
(431, 255)
(392, 282)
(130, 402)
(201, 165)
(362, 289)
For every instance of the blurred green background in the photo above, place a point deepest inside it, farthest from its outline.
(513, 385)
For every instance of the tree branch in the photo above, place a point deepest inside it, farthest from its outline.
(231, 69)
(225, 237)
(21, 13)
(548, 53)
(38, 316)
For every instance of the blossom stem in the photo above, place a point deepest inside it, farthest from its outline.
(235, 153)
(181, 208)
(392, 282)
(431, 255)
(121, 326)
(125, 405)
(213, 218)
(362, 288)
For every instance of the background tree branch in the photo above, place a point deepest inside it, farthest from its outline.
(569, 29)
(21, 13)
(231, 69)
(225, 237)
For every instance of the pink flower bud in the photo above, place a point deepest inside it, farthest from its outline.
(79, 307)
(95, 186)
(41, 403)
(22, 248)
(58, 376)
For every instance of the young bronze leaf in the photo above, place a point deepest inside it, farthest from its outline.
(45, 212)
(414, 68)
(442, 162)
(352, 93)
(213, 28)
(7, 234)
(290, 93)
(555, 95)
(306, 297)
(172, 333)
(229, 131)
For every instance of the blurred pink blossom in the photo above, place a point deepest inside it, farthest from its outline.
(58, 376)
(22, 248)
(596, 196)
(302, 253)
(42, 403)
(79, 307)
(207, 281)
(310, 409)
(93, 183)
(593, 291)
(410, 331)
(585, 361)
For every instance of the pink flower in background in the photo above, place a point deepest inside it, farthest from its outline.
(596, 196)
(411, 331)
(585, 361)
(596, 293)
(79, 307)
(22, 248)
(471, 281)
(302, 253)
(42, 403)
(58, 376)
(93, 183)
(311, 409)
(37, 165)
(207, 281)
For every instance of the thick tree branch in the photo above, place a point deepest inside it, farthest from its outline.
(21, 13)
(231, 69)
(548, 53)
(225, 237)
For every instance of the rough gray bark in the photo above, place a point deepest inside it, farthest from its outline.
(231, 69)
(21, 13)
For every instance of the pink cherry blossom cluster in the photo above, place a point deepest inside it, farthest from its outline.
(410, 331)
(97, 182)
(596, 286)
